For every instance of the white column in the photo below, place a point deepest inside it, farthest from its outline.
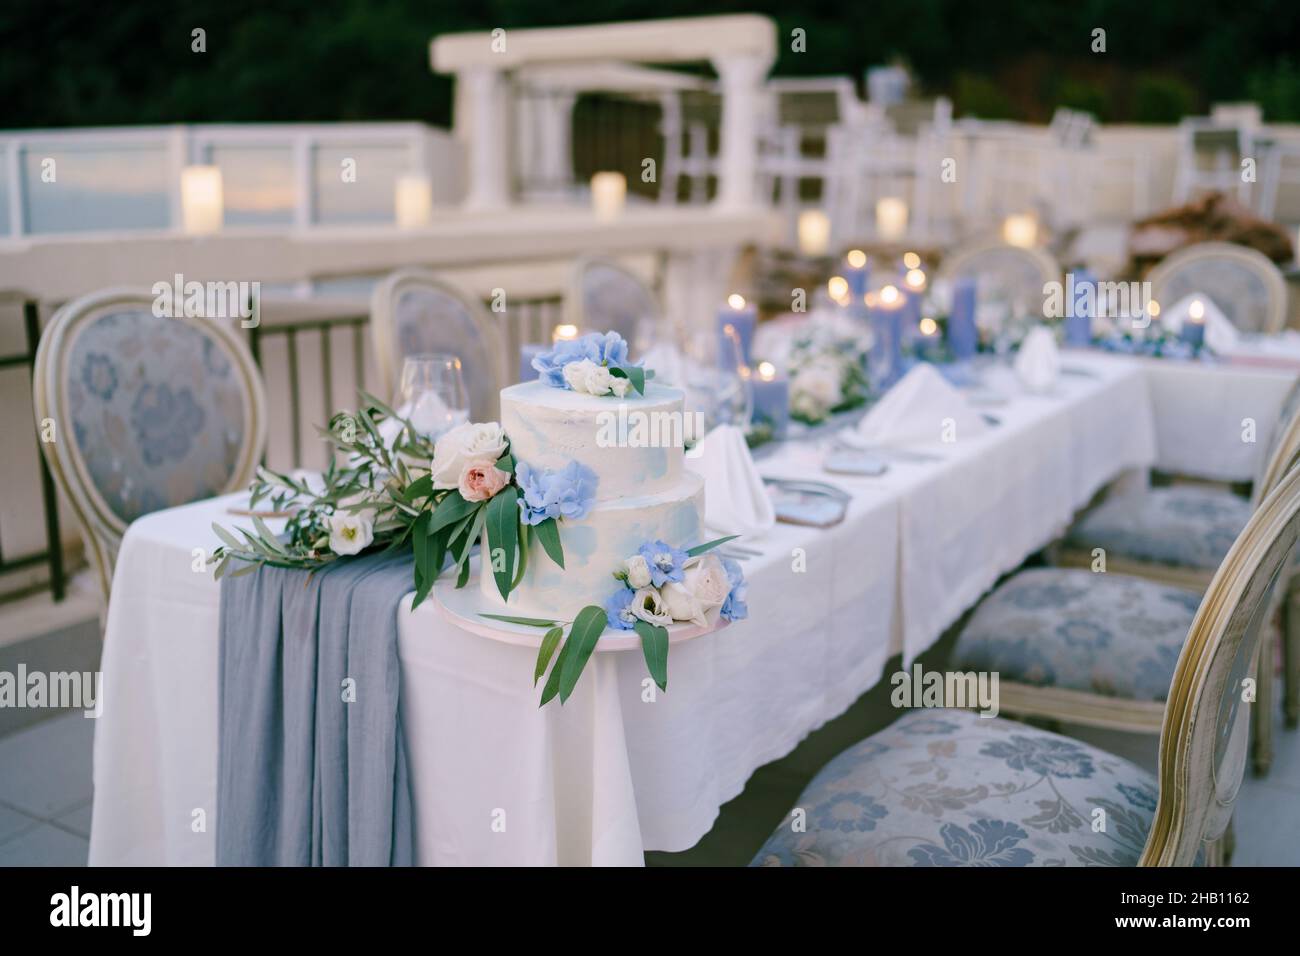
(489, 167)
(741, 77)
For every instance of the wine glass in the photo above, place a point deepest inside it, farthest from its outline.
(716, 379)
(733, 388)
(431, 393)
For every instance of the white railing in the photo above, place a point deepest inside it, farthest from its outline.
(274, 175)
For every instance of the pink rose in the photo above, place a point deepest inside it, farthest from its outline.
(480, 479)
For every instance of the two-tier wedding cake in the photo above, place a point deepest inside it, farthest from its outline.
(643, 492)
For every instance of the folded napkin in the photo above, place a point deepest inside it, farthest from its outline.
(1221, 336)
(735, 498)
(921, 407)
(1038, 364)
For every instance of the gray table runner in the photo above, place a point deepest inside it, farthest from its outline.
(312, 770)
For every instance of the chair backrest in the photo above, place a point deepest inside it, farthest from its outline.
(1203, 741)
(1004, 271)
(1243, 282)
(413, 312)
(149, 412)
(608, 297)
(1283, 449)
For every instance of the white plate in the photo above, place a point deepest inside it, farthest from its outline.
(465, 607)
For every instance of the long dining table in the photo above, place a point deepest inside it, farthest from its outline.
(622, 768)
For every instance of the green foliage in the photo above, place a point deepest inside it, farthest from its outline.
(976, 95)
(83, 63)
(1276, 88)
(1161, 98)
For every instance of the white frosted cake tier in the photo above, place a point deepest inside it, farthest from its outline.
(633, 444)
(596, 546)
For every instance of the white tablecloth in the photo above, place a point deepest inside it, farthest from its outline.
(1201, 411)
(618, 770)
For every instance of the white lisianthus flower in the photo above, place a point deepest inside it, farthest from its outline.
(648, 605)
(463, 443)
(620, 386)
(575, 374)
(599, 380)
(683, 605)
(638, 572)
(706, 579)
(349, 534)
(806, 406)
(822, 380)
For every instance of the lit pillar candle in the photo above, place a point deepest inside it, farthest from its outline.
(891, 218)
(743, 317)
(202, 203)
(885, 310)
(1081, 302)
(927, 337)
(857, 274)
(564, 333)
(413, 202)
(771, 398)
(963, 335)
(814, 229)
(1020, 231)
(1193, 331)
(608, 195)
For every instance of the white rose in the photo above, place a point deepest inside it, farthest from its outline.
(349, 533)
(648, 605)
(600, 381)
(638, 572)
(706, 579)
(575, 374)
(683, 605)
(454, 449)
(620, 386)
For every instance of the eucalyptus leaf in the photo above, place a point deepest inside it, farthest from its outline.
(654, 645)
(549, 643)
(502, 535)
(450, 510)
(548, 532)
(422, 487)
(709, 545)
(587, 628)
(552, 685)
(526, 621)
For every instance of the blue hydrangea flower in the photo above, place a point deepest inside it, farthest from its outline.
(666, 562)
(618, 610)
(607, 349)
(734, 607)
(550, 365)
(567, 493)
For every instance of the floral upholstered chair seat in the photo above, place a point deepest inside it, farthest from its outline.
(1108, 634)
(1181, 525)
(951, 788)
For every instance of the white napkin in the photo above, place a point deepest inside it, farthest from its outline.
(735, 498)
(1221, 335)
(1038, 364)
(921, 408)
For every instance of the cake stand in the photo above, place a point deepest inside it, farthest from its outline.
(466, 606)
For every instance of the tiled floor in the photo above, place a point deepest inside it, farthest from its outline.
(45, 790)
(45, 793)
